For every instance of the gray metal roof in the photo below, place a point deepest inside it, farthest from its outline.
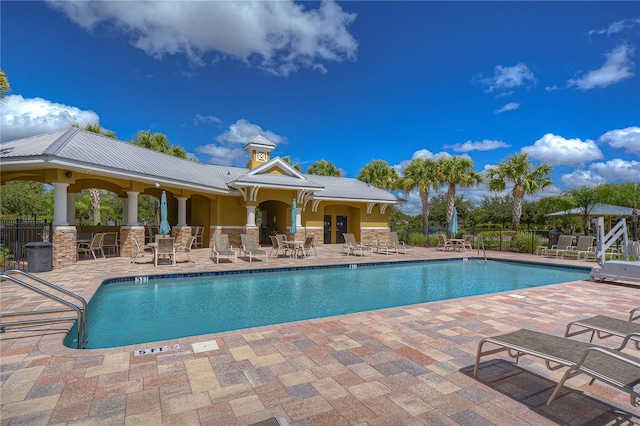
(80, 149)
(597, 210)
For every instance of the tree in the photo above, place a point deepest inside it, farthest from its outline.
(287, 159)
(421, 174)
(379, 174)
(95, 192)
(25, 200)
(158, 142)
(526, 180)
(494, 210)
(585, 199)
(456, 171)
(4, 85)
(323, 168)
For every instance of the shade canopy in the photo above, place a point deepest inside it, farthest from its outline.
(596, 210)
(164, 223)
(294, 214)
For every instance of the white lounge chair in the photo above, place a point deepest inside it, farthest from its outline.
(221, 247)
(352, 246)
(250, 248)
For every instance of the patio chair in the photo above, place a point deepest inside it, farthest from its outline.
(611, 366)
(138, 252)
(197, 233)
(221, 247)
(443, 243)
(165, 247)
(397, 244)
(352, 246)
(250, 248)
(187, 247)
(277, 245)
(93, 247)
(582, 247)
(604, 327)
(564, 243)
(110, 243)
(467, 242)
(308, 245)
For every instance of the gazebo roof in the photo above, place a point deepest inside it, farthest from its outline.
(596, 210)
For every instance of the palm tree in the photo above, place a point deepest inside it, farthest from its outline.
(457, 171)
(379, 174)
(4, 85)
(526, 180)
(287, 159)
(323, 168)
(94, 193)
(421, 173)
(158, 142)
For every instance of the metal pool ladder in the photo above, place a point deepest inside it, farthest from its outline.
(79, 311)
(483, 249)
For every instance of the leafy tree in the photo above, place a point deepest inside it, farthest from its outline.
(379, 174)
(323, 168)
(438, 209)
(25, 200)
(456, 171)
(494, 210)
(421, 174)
(158, 142)
(4, 85)
(288, 160)
(95, 192)
(619, 194)
(526, 180)
(585, 199)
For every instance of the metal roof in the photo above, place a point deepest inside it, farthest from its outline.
(597, 210)
(79, 149)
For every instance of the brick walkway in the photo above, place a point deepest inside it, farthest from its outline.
(399, 366)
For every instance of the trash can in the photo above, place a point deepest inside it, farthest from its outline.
(39, 256)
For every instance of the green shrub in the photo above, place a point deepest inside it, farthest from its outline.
(417, 239)
(525, 243)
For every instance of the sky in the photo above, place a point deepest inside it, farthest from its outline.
(348, 82)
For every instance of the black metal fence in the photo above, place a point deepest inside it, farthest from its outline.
(14, 234)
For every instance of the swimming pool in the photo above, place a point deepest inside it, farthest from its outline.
(129, 311)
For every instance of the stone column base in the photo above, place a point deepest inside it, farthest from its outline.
(65, 247)
(127, 235)
(181, 234)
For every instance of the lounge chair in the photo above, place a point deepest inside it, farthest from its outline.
(604, 326)
(277, 245)
(138, 252)
(352, 246)
(166, 247)
(221, 247)
(582, 247)
(95, 246)
(249, 247)
(564, 243)
(398, 245)
(611, 366)
(187, 247)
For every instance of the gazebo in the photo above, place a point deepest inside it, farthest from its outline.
(598, 210)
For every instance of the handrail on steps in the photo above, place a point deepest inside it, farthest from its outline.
(484, 252)
(81, 312)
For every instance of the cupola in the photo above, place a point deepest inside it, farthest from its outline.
(259, 149)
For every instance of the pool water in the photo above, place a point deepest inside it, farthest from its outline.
(126, 313)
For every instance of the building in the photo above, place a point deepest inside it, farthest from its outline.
(218, 198)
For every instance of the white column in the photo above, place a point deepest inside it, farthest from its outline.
(182, 211)
(125, 211)
(71, 208)
(60, 203)
(251, 216)
(132, 208)
(298, 218)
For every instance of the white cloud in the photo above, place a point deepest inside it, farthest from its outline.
(485, 145)
(617, 169)
(505, 78)
(20, 117)
(616, 68)
(279, 37)
(616, 27)
(556, 150)
(227, 151)
(511, 106)
(580, 178)
(628, 138)
(204, 119)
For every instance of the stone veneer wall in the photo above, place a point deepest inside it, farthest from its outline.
(181, 234)
(370, 236)
(65, 251)
(127, 234)
(307, 232)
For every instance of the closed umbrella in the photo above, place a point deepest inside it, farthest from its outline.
(164, 223)
(453, 226)
(294, 214)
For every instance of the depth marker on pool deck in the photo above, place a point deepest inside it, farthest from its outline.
(159, 350)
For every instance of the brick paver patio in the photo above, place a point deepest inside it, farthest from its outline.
(410, 365)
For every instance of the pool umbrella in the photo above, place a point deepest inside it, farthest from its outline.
(294, 214)
(453, 226)
(164, 224)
